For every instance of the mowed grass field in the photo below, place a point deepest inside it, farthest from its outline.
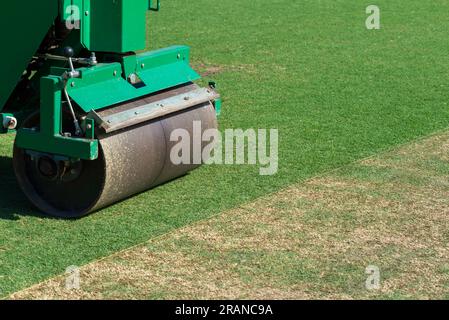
(336, 91)
(311, 240)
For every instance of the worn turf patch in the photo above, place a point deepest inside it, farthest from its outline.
(311, 240)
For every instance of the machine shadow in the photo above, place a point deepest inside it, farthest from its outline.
(13, 203)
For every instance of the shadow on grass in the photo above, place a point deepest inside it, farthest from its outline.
(13, 203)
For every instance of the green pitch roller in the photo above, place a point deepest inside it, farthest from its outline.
(93, 117)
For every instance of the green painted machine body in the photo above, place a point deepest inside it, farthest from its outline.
(20, 41)
(112, 26)
(112, 29)
(98, 87)
(105, 84)
(105, 26)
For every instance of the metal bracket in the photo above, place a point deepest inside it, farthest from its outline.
(48, 138)
(8, 122)
(158, 5)
(153, 110)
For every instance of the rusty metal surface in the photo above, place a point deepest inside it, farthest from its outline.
(147, 100)
(143, 111)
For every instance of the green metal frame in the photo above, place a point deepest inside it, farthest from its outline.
(105, 85)
(104, 23)
(48, 138)
(99, 86)
(21, 41)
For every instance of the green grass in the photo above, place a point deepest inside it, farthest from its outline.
(311, 240)
(336, 91)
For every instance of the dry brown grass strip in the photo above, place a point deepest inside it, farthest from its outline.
(311, 240)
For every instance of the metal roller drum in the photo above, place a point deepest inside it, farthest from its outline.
(130, 161)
